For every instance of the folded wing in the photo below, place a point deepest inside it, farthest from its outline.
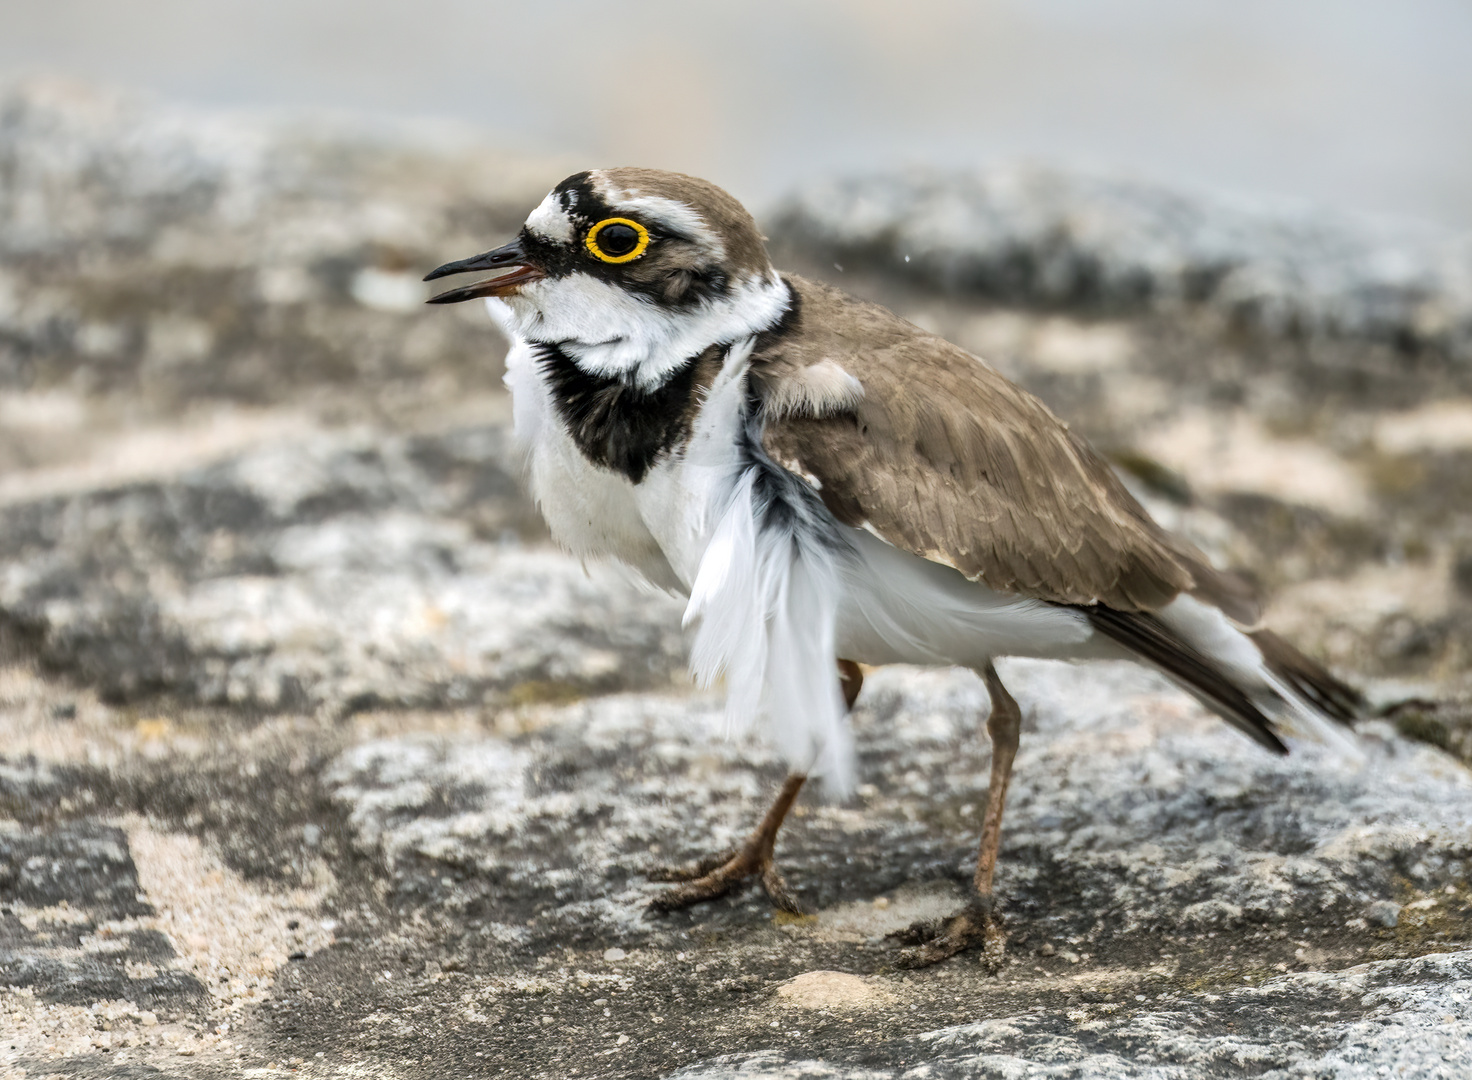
(924, 445)
(942, 456)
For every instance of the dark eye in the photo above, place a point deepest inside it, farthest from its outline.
(617, 240)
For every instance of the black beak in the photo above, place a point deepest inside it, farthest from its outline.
(507, 257)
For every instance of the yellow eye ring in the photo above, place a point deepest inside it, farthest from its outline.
(629, 256)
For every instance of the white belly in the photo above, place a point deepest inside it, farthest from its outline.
(895, 607)
(591, 511)
(684, 496)
(773, 613)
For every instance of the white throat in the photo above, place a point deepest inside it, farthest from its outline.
(610, 331)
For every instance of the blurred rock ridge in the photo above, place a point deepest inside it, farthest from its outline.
(317, 756)
(1032, 235)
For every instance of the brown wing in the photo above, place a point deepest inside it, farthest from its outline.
(944, 457)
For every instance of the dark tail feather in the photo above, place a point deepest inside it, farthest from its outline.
(1153, 641)
(1308, 678)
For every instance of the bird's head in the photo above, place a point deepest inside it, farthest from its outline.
(627, 267)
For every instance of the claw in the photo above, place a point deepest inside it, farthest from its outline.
(717, 877)
(976, 924)
(711, 878)
(777, 891)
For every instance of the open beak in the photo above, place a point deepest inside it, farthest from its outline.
(507, 257)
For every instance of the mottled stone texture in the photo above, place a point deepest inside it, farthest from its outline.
(1037, 236)
(339, 572)
(315, 755)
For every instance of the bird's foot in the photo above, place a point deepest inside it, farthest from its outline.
(977, 924)
(723, 874)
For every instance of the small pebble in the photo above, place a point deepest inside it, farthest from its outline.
(614, 955)
(1048, 950)
(1383, 913)
(834, 990)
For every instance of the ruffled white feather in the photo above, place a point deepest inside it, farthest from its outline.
(766, 600)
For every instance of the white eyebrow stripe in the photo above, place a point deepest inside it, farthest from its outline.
(680, 217)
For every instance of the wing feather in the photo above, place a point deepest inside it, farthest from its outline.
(942, 456)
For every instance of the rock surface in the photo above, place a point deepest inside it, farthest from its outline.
(181, 258)
(1037, 236)
(316, 757)
(340, 570)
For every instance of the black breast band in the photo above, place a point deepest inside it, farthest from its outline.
(619, 425)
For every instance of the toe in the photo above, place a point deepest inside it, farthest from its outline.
(727, 877)
(918, 933)
(688, 895)
(692, 871)
(778, 892)
(976, 925)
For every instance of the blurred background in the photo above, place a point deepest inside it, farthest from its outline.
(1359, 106)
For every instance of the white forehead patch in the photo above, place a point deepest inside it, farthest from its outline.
(549, 220)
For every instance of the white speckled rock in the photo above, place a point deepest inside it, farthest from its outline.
(1159, 816)
(1042, 236)
(1407, 1018)
(340, 570)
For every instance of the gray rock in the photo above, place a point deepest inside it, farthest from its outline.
(1131, 813)
(1396, 1018)
(1201, 886)
(1206, 896)
(1068, 240)
(87, 869)
(341, 572)
(1383, 913)
(174, 256)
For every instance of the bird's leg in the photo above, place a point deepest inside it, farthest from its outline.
(718, 876)
(714, 877)
(850, 681)
(978, 923)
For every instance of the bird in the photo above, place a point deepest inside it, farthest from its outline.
(832, 488)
